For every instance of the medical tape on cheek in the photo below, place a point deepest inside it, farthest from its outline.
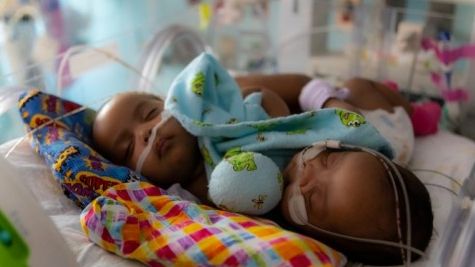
(296, 202)
(296, 206)
(165, 116)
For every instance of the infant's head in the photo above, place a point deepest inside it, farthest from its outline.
(350, 192)
(122, 130)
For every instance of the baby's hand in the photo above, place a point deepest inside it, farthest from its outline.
(272, 103)
(316, 93)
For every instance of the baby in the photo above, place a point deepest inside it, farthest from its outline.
(330, 180)
(344, 191)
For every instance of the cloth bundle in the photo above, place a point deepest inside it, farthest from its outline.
(139, 221)
(208, 103)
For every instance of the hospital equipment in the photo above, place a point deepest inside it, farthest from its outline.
(441, 154)
(24, 228)
(183, 41)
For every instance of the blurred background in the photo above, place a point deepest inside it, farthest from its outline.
(86, 50)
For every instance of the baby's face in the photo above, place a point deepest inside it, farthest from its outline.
(347, 192)
(122, 130)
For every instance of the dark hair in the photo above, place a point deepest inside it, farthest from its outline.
(421, 226)
(128, 93)
(421, 212)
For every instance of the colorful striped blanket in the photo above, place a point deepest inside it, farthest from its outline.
(139, 221)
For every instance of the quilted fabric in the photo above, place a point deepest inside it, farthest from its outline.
(82, 173)
(139, 221)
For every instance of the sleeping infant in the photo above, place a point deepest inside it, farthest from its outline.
(330, 191)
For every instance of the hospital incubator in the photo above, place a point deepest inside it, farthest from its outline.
(33, 209)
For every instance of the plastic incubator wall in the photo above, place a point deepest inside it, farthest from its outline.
(334, 39)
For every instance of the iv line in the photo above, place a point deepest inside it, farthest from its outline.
(441, 174)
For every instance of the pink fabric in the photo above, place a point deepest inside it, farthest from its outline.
(139, 221)
(449, 94)
(316, 92)
(425, 117)
(449, 55)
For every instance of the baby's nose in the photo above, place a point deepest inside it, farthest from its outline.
(146, 135)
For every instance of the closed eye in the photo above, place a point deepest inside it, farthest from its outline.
(152, 114)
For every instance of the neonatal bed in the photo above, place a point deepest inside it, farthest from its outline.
(444, 161)
(441, 154)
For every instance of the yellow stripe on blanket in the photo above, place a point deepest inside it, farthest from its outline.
(139, 221)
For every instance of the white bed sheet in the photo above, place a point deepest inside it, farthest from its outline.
(444, 152)
(449, 154)
(38, 178)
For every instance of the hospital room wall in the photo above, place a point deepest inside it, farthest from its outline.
(108, 18)
(465, 25)
(462, 25)
(111, 17)
(126, 25)
(471, 78)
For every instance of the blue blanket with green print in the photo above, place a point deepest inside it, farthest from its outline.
(207, 101)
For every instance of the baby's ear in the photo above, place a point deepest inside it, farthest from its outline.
(246, 182)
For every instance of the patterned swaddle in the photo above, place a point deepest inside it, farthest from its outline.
(139, 221)
(208, 103)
